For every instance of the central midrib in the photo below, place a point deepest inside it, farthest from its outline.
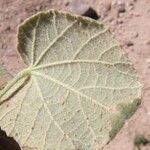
(73, 90)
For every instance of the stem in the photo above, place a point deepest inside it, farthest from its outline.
(22, 74)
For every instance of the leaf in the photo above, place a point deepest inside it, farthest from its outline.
(4, 77)
(78, 90)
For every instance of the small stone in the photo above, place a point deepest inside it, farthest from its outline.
(131, 7)
(83, 9)
(67, 3)
(21, 20)
(130, 2)
(8, 28)
(91, 13)
(148, 10)
(147, 42)
(114, 23)
(120, 15)
(38, 8)
(134, 34)
(137, 14)
(128, 43)
(148, 60)
(107, 5)
(110, 19)
(114, 3)
(121, 8)
(119, 21)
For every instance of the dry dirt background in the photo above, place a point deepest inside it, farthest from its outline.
(129, 21)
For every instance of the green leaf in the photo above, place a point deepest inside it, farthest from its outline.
(4, 77)
(78, 90)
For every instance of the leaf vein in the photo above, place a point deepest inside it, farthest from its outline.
(34, 40)
(53, 42)
(87, 42)
(71, 89)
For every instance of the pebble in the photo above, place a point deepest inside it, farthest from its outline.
(148, 60)
(8, 28)
(38, 7)
(114, 23)
(131, 7)
(119, 21)
(83, 9)
(130, 2)
(128, 43)
(136, 14)
(107, 5)
(147, 42)
(134, 34)
(121, 8)
(110, 19)
(66, 3)
(119, 5)
(114, 2)
(91, 13)
(120, 15)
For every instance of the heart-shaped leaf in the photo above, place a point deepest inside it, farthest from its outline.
(4, 77)
(78, 89)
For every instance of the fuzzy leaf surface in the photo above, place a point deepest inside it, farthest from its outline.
(78, 90)
(4, 77)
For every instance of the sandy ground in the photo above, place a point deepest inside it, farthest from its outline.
(129, 21)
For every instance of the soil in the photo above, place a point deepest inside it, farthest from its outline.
(129, 21)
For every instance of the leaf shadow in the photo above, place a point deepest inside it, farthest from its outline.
(7, 143)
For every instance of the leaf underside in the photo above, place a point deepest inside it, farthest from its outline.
(78, 90)
(4, 77)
